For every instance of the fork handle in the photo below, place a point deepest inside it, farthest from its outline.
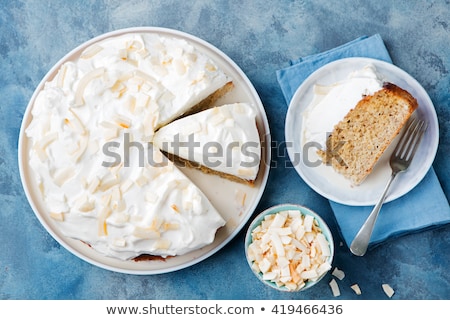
(359, 245)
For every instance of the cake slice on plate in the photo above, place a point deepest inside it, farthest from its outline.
(359, 140)
(222, 140)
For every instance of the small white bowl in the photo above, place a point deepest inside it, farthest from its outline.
(304, 211)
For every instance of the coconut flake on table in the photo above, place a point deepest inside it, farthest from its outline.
(338, 273)
(356, 288)
(388, 290)
(335, 288)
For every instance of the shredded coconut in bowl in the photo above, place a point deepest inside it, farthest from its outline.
(288, 249)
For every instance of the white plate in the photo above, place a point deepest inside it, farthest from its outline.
(323, 179)
(220, 192)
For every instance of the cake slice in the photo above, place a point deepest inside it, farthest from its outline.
(358, 141)
(222, 140)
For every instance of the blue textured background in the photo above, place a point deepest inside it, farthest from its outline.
(260, 36)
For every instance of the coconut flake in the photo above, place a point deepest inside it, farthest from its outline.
(356, 288)
(277, 244)
(61, 76)
(323, 268)
(93, 185)
(308, 223)
(146, 233)
(62, 175)
(146, 77)
(334, 288)
(310, 274)
(79, 93)
(102, 225)
(75, 123)
(278, 221)
(324, 246)
(162, 244)
(82, 146)
(119, 242)
(122, 121)
(58, 216)
(47, 139)
(216, 119)
(240, 197)
(338, 273)
(142, 100)
(388, 290)
(91, 51)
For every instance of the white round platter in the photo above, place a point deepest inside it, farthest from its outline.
(220, 192)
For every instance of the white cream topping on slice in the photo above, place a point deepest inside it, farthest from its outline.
(98, 174)
(223, 138)
(331, 103)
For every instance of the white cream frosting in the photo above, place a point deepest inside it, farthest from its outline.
(331, 103)
(224, 138)
(143, 74)
(101, 180)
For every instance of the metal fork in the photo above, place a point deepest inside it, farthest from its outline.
(400, 160)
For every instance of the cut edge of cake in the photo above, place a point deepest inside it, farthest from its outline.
(181, 162)
(213, 115)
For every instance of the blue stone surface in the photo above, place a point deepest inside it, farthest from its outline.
(260, 36)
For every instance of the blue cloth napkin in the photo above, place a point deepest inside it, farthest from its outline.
(291, 77)
(426, 206)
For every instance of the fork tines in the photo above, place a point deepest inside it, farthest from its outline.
(409, 142)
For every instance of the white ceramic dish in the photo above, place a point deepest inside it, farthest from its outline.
(323, 179)
(221, 192)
